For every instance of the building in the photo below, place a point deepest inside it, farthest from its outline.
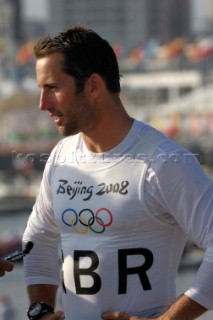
(201, 17)
(7, 37)
(127, 23)
(16, 23)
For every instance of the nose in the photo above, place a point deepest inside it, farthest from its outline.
(44, 101)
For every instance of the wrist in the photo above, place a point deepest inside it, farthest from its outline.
(38, 309)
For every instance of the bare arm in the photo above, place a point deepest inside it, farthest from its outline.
(45, 293)
(183, 308)
(42, 293)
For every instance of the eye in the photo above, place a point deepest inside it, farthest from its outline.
(52, 88)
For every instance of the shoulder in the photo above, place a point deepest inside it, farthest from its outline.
(159, 146)
(64, 145)
(63, 149)
(165, 155)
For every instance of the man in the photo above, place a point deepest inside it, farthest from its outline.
(118, 196)
(5, 266)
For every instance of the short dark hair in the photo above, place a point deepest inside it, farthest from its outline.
(85, 52)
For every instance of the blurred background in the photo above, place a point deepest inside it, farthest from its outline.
(165, 53)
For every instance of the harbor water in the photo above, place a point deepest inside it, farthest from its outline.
(12, 285)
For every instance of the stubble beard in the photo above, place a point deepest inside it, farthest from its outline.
(68, 130)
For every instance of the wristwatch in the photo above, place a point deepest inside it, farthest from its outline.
(38, 309)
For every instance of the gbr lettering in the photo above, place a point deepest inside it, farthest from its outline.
(123, 270)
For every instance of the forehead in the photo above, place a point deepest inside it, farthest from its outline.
(49, 70)
(52, 61)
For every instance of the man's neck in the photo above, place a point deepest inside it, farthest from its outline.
(108, 134)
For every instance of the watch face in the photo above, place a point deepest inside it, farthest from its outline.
(35, 309)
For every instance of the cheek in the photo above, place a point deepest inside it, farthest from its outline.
(74, 105)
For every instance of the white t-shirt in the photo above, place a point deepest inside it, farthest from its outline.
(122, 218)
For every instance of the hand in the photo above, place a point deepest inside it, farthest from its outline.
(58, 315)
(122, 316)
(183, 308)
(5, 266)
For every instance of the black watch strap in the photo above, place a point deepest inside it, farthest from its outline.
(38, 309)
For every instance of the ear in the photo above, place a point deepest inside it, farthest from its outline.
(94, 85)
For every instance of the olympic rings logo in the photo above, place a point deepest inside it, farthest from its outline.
(86, 219)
